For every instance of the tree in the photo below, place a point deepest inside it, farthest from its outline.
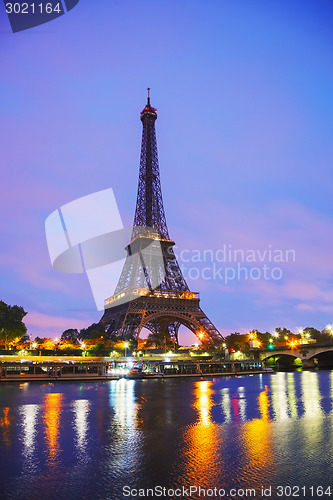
(23, 343)
(283, 332)
(316, 335)
(236, 341)
(264, 338)
(46, 344)
(11, 324)
(72, 335)
(159, 340)
(94, 331)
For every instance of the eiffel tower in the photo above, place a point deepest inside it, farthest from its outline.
(152, 292)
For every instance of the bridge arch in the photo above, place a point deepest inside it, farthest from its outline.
(282, 359)
(321, 359)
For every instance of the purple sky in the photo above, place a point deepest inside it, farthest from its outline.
(245, 116)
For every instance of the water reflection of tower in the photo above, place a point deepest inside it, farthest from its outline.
(81, 409)
(29, 416)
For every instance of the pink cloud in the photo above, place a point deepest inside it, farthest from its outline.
(45, 325)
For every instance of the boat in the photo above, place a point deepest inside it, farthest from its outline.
(137, 372)
(29, 371)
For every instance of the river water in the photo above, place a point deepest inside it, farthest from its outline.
(115, 439)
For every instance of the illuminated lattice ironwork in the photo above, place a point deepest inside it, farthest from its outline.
(152, 291)
(149, 210)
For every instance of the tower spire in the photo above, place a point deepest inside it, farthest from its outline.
(149, 210)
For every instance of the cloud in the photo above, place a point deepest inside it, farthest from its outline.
(307, 282)
(45, 325)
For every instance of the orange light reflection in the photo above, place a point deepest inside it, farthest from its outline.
(258, 438)
(51, 418)
(204, 460)
(5, 423)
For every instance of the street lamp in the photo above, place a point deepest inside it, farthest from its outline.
(125, 345)
(83, 346)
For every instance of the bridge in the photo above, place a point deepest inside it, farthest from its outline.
(310, 355)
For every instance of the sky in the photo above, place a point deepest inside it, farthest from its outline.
(243, 91)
